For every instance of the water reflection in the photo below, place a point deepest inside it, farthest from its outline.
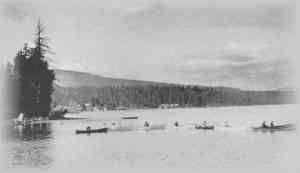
(30, 145)
(33, 131)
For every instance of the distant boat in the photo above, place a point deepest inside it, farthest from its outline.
(130, 117)
(102, 130)
(227, 125)
(155, 127)
(122, 129)
(205, 127)
(284, 127)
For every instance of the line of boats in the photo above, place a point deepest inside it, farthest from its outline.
(204, 126)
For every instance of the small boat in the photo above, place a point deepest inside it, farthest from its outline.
(284, 127)
(155, 127)
(130, 118)
(227, 125)
(122, 129)
(205, 127)
(102, 130)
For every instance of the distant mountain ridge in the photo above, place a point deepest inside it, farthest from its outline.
(74, 79)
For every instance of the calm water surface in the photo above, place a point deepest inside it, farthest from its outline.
(54, 146)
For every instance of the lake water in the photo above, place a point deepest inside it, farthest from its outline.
(54, 146)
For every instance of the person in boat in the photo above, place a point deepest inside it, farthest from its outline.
(176, 124)
(88, 128)
(204, 124)
(146, 124)
(272, 124)
(264, 124)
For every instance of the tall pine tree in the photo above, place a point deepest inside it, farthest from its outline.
(44, 78)
(35, 79)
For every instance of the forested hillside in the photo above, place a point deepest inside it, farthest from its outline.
(155, 95)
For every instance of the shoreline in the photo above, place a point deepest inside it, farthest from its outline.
(70, 116)
(191, 107)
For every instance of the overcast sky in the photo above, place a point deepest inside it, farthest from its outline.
(236, 43)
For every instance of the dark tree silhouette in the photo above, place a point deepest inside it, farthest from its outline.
(21, 84)
(34, 78)
(42, 76)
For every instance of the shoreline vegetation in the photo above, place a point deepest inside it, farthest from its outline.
(164, 97)
(29, 80)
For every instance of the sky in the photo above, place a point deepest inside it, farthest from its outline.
(235, 43)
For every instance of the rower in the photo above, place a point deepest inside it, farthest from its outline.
(264, 124)
(204, 124)
(272, 124)
(146, 124)
(176, 124)
(88, 128)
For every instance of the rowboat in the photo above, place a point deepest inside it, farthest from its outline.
(122, 129)
(130, 118)
(205, 127)
(102, 130)
(155, 127)
(284, 127)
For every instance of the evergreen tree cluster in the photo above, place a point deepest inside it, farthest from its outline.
(152, 96)
(149, 96)
(31, 78)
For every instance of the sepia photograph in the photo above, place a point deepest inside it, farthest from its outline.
(149, 86)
